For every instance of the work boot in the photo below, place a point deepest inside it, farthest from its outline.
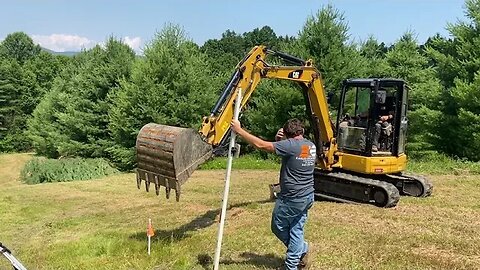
(305, 260)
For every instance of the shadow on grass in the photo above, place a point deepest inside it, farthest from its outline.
(261, 261)
(184, 231)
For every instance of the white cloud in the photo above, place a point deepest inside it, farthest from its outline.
(63, 42)
(135, 43)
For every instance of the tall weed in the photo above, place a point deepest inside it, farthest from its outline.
(43, 170)
(432, 162)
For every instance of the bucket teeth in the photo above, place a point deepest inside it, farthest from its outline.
(167, 156)
(157, 186)
(177, 192)
(147, 183)
(139, 181)
(167, 191)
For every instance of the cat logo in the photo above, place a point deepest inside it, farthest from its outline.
(296, 74)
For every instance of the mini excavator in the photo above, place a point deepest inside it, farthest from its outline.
(360, 156)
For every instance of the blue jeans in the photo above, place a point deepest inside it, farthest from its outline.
(288, 219)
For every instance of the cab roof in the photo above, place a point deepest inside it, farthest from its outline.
(370, 80)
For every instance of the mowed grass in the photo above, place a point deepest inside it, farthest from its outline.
(101, 224)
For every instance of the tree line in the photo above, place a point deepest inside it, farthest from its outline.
(94, 104)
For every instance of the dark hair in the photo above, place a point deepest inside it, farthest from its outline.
(293, 128)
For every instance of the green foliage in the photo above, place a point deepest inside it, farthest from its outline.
(433, 163)
(263, 36)
(7, 99)
(171, 85)
(93, 104)
(405, 60)
(458, 61)
(72, 118)
(423, 129)
(26, 74)
(325, 39)
(272, 105)
(42, 71)
(374, 54)
(225, 53)
(13, 109)
(19, 47)
(41, 170)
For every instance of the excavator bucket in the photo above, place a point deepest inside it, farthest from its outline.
(167, 156)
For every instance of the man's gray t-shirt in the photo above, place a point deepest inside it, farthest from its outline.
(298, 163)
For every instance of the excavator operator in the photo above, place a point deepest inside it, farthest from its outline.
(296, 196)
(384, 124)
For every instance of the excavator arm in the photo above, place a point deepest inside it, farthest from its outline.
(166, 155)
(248, 74)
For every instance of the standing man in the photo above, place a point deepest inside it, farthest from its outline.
(296, 181)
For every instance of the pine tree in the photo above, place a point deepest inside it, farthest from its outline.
(5, 99)
(72, 119)
(12, 87)
(325, 38)
(172, 85)
(406, 62)
(374, 54)
(458, 61)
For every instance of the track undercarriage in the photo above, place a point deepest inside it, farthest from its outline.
(379, 190)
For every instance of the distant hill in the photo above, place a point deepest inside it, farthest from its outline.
(69, 54)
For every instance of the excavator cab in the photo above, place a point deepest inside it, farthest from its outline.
(370, 133)
(372, 118)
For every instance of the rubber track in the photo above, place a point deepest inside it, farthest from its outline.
(390, 189)
(425, 182)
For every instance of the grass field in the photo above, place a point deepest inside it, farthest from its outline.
(101, 224)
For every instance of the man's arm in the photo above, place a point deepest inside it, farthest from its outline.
(252, 139)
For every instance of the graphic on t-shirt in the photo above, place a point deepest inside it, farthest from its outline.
(305, 152)
(307, 155)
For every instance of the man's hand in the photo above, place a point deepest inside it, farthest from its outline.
(385, 117)
(279, 136)
(236, 126)
(251, 139)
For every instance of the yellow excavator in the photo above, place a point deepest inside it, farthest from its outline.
(361, 156)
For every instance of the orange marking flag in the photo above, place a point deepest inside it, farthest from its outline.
(150, 231)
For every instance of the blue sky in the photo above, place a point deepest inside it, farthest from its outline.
(70, 25)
